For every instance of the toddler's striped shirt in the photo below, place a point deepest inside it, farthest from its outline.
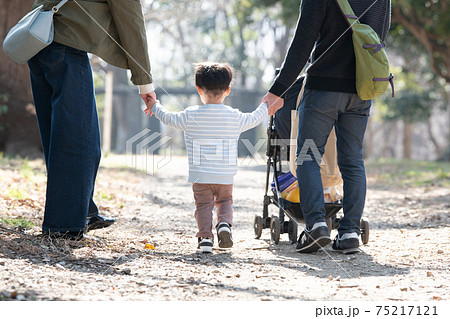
(211, 133)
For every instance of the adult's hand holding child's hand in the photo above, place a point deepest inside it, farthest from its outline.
(149, 100)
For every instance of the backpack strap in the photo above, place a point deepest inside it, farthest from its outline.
(347, 12)
(391, 82)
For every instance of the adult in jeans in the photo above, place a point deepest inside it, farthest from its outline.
(63, 92)
(329, 100)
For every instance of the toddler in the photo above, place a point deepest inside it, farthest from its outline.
(211, 134)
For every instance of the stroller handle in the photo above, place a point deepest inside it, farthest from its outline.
(271, 121)
(270, 135)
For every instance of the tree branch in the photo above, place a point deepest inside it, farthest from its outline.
(423, 36)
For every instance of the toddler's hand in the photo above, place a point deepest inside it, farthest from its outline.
(150, 102)
(148, 111)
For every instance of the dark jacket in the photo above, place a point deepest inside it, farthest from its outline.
(322, 27)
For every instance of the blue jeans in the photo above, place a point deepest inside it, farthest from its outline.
(319, 111)
(63, 92)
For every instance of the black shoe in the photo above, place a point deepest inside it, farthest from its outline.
(98, 221)
(205, 245)
(312, 241)
(224, 235)
(348, 244)
(72, 235)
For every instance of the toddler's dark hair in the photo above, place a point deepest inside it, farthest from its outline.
(213, 77)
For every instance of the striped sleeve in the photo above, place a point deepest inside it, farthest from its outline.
(250, 120)
(173, 119)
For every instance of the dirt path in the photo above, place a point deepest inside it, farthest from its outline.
(407, 257)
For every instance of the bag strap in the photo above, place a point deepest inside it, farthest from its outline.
(59, 5)
(300, 94)
(347, 12)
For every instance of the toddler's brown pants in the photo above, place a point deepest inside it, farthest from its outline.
(207, 196)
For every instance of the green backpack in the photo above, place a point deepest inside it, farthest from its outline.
(372, 63)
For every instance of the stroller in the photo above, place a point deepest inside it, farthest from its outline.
(282, 146)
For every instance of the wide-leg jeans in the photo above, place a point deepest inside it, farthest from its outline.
(63, 93)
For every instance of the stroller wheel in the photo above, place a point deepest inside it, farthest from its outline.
(292, 231)
(275, 230)
(364, 231)
(258, 226)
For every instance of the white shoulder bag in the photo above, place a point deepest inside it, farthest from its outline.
(31, 34)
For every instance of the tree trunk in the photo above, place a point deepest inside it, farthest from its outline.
(19, 133)
(407, 140)
(437, 147)
(389, 138)
(445, 155)
(436, 44)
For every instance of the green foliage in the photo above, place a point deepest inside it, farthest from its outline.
(429, 23)
(288, 9)
(418, 89)
(241, 32)
(17, 222)
(433, 15)
(411, 106)
(3, 159)
(15, 193)
(26, 170)
(410, 173)
(412, 103)
(104, 196)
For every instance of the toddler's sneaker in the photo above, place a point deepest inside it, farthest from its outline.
(347, 244)
(312, 240)
(224, 235)
(205, 245)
